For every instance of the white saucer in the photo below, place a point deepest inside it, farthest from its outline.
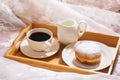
(68, 56)
(26, 50)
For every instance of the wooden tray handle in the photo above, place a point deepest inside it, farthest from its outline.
(21, 36)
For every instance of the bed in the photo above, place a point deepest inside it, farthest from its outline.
(15, 15)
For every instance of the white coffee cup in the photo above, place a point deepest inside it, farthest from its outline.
(69, 31)
(40, 39)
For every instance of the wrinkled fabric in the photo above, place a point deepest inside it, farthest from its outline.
(12, 70)
(8, 20)
(10, 26)
(112, 5)
(16, 14)
(44, 12)
(108, 18)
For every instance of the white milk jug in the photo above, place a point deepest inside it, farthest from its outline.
(69, 31)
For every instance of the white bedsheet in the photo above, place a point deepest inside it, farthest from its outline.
(21, 12)
(12, 70)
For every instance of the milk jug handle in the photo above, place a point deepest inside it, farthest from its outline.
(82, 26)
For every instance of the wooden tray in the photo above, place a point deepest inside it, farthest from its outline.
(55, 62)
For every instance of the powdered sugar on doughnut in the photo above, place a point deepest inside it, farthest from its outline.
(88, 48)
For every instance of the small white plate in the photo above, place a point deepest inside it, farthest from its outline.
(68, 56)
(26, 50)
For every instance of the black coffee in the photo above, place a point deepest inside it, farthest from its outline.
(39, 36)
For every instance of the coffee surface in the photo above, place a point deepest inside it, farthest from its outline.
(39, 36)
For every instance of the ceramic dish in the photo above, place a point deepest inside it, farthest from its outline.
(26, 50)
(68, 56)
